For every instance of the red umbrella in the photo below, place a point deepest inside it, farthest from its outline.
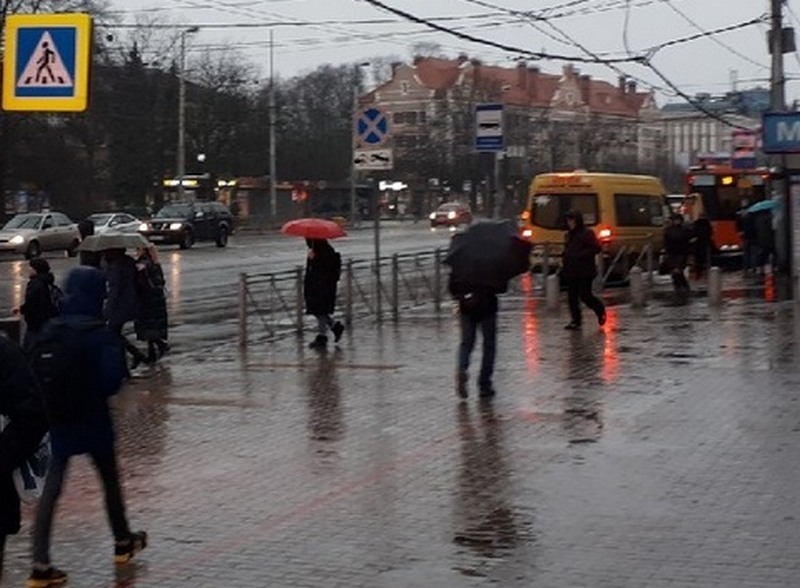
(313, 228)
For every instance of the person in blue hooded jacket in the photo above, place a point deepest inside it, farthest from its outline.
(76, 405)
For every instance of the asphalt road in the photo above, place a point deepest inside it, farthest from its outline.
(202, 281)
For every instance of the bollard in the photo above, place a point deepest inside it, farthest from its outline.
(552, 291)
(242, 311)
(545, 264)
(650, 260)
(637, 287)
(714, 286)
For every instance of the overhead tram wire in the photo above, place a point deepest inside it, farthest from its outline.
(496, 45)
(739, 54)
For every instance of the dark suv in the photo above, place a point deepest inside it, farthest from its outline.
(184, 223)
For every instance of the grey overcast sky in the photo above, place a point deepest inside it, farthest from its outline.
(327, 31)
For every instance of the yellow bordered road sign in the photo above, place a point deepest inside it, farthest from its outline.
(47, 62)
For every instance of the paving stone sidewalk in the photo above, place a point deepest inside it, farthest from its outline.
(659, 452)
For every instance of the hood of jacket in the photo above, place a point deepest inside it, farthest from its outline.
(84, 292)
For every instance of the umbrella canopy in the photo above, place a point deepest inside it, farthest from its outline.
(107, 241)
(762, 205)
(488, 253)
(313, 228)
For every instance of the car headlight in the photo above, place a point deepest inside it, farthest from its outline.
(432, 216)
(451, 215)
(143, 227)
(175, 226)
(17, 240)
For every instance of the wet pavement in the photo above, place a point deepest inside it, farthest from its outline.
(659, 452)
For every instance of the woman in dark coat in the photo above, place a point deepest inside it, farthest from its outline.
(122, 304)
(702, 245)
(578, 269)
(39, 306)
(151, 320)
(21, 405)
(323, 267)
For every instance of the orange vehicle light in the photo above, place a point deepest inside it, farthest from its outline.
(604, 234)
(527, 233)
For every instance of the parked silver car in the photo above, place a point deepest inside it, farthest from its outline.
(33, 233)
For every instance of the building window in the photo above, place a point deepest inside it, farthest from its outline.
(404, 86)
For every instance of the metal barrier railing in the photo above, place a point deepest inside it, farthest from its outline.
(276, 299)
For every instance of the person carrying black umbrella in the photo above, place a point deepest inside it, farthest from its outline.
(578, 269)
(483, 259)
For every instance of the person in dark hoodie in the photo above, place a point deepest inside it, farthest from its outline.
(77, 409)
(323, 268)
(578, 269)
(41, 296)
(21, 405)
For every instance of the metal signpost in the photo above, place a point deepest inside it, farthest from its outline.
(490, 138)
(47, 62)
(371, 135)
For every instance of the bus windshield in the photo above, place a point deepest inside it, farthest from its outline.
(548, 210)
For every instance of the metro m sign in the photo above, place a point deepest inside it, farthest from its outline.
(781, 132)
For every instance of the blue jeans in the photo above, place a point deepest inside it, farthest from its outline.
(469, 331)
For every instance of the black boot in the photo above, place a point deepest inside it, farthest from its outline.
(319, 343)
(338, 329)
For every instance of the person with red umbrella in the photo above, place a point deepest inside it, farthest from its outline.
(323, 268)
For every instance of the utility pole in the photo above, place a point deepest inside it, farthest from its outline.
(778, 162)
(353, 200)
(180, 155)
(777, 78)
(273, 192)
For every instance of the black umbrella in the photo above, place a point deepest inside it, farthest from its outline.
(488, 253)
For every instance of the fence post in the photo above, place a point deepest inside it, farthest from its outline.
(714, 287)
(437, 280)
(348, 295)
(300, 301)
(637, 287)
(242, 310)
(395, 287)
(650, 268)
(552, 288)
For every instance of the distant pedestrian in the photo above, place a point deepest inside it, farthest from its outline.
(80, 364)
(677, 246)
(21, 405)
(42, 299)
(92, 258)
(323, 269)
(744, 228)
(122, 304)
(579, 269)
(477, 309)
(764, 237)
(151, 321)
(702, 245)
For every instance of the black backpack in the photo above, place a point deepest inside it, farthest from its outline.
(60, 360)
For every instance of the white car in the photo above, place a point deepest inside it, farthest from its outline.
(33, 233)
(117, 222)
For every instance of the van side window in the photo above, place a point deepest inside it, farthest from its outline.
(638, 210)
(548, 210)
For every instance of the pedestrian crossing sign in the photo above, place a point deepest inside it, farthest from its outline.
(47, 62)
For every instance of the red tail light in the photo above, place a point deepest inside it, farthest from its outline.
(604, 235)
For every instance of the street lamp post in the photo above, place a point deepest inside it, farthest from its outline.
(180, 156)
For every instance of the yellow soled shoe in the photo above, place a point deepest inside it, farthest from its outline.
(46, 578)
(125, 550)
